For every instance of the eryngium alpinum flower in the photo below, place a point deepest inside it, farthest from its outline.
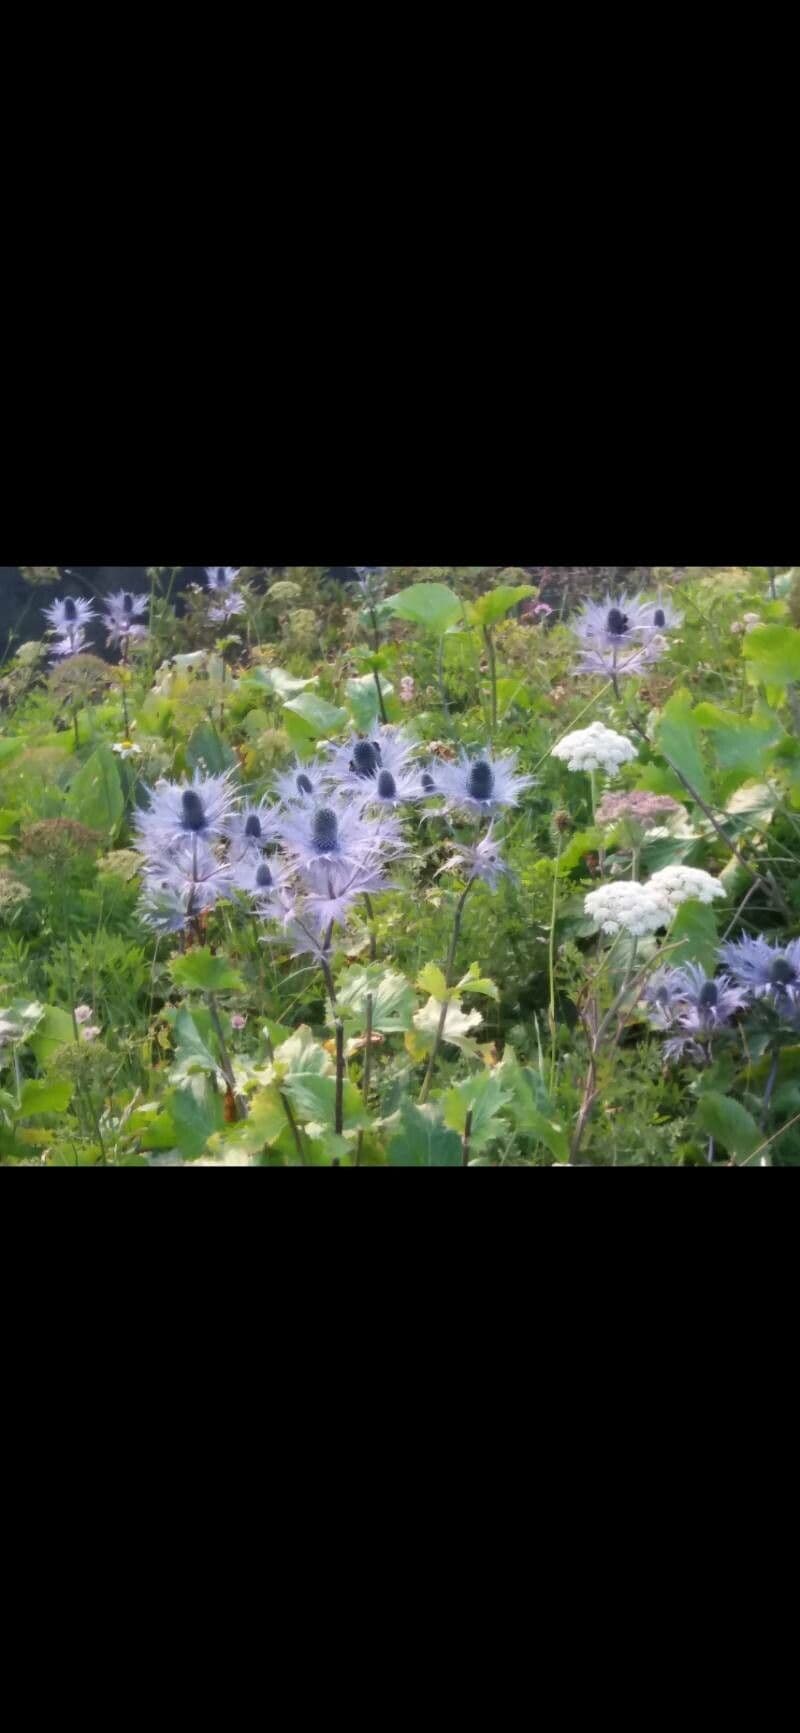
(479, 784)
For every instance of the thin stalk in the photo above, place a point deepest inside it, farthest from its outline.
(466, 1144)
(488, 638)
(339, 1077)
(225, 1058)
(426, 1087)
(552, 969)
(770, 1089)
(367, 1082)
(373, 943)
(381, 704)
(288, 1109)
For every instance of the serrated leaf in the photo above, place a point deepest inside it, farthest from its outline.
(423, 1141)
(475, 982)
(393, 1001)
(773, 653)
(192, 1056)
(677, 736)
(431, 980)
(55, 1030)
(314, 1099)
(362, 697)
(39, 1095)
(482, 1096)
(197, 1113)
(279, 683)
(458, 1029)
(531, 1109)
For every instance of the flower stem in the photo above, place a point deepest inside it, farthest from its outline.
(225, 1058)
(367, 1083)
(339, 1077)
(426, 1087)
(492, 653)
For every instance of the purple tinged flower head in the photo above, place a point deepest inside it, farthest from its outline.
(251, 830)
(618, 636)
(227, 601)
(663, 617)
(766, 971)
(362, 760)
(187, 884)
(265, 879)
(303, 781)
(691, 1007)
(197, 811)
(483, 862)
(122, 617)
(67, 621)
(479, 784)
(329, 838)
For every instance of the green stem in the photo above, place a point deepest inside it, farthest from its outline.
(426, 1087)
(225, 1058)
(367, 1083)
(492, 653)
(552, 968)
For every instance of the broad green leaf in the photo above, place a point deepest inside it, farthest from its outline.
(11, 748)
(393, 1001)
(362, 697)
(197, 1113)
(193, 1055)
(730, 1124)
(314, 1098)
(208, 751)
(678, 738)
(423, 1141)
(773, 653)
(582, 843)
(203, 973)
(432, 606)
(694, 929)
(40, 1096)
(432, 980)
(318, 716)
(497, 603)
(739, 744)
(95, 796)
(55, 1031)
(301, 1054)
(482, 1096)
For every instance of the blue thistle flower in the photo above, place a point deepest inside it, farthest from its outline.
(480, 784)
(767, 971)
(194, 811)
(122, 617)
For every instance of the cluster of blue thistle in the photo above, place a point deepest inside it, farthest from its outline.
(328, 838)
(693, 1008)
(624, 635)
(122, 617)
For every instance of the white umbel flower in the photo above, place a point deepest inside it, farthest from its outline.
(596, 748)
(628, 908)
(680, 884)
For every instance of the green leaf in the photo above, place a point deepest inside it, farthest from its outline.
(201, 972)
(208, 750)
(432, 980)
(694, 929)
(482, 1096)
(582, 843)
(423, 1141)
(773, 653)
(432, 606)
(318, 717)
(95, 796)
(197, 1113)
(497, 603)
(531, 1109)
(362, 697)
(314, 1099)
(678, 738)
(41, 1096)
(192, 1056)
(55, 1031)
(280, 684)
(393, 1001)
(739, 744)
(459, 1027)
(475, 982)
(729, 1124)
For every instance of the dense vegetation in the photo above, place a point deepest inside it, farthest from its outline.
(402, 867)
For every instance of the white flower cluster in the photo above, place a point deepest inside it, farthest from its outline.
(679, 884)
(596, 748)
(627, 908)
(643, 909)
